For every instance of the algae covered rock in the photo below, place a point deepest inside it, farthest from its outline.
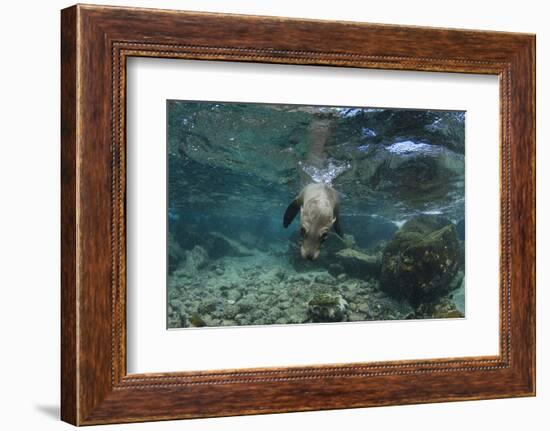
(421, 260)
(326, 307)
(443, 309)
(197, 321)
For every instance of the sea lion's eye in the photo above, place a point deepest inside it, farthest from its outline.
(324, 236)
(302, 231)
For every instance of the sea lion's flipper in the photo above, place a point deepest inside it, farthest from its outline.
(336, 225)
(291, 212)
(337, 228)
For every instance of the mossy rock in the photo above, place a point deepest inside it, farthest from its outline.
(197, 321)
(421, 260)
(425, 224)
(443, 309)
(326, 307)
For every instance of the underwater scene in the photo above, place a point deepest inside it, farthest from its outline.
(292, 214)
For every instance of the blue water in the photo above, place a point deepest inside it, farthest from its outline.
(233, 169)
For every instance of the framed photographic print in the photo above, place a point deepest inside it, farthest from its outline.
(260, 217)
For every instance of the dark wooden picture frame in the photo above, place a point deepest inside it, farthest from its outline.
(96, 41)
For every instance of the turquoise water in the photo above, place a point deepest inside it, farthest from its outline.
(233, 168)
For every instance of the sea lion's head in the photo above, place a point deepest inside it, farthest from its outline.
(315, 222)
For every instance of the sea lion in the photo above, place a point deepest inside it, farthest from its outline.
(319, 209)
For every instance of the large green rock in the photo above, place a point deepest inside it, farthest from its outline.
(421, 260)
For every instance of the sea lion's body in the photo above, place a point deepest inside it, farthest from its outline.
(319, 209)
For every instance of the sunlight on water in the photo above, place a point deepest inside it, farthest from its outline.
(406, 147)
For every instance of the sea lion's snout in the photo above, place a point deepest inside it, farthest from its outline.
(311, 244)
(309, 254)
